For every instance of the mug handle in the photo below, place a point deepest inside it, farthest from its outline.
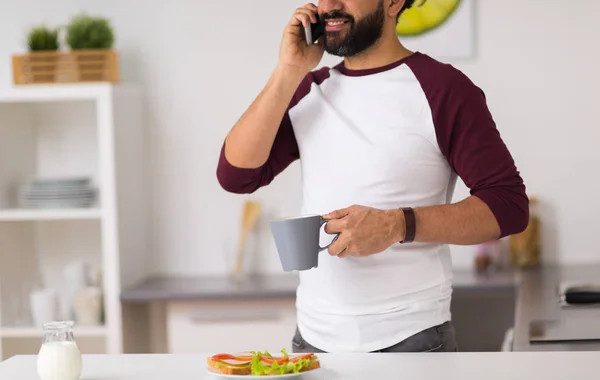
(321, 249)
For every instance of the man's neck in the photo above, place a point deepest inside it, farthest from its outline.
(383, 52)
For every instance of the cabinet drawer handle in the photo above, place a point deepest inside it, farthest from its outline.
(230, 316)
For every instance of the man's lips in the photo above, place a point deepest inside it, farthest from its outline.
(332, 25)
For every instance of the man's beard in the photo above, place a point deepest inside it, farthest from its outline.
(358, 37)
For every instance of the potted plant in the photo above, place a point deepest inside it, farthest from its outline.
(85, 32)
(41, 38)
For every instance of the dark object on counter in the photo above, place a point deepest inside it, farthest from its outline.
(582, 296)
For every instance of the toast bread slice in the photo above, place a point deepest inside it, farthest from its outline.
(313, 365)
(226, 369)
(245, 370)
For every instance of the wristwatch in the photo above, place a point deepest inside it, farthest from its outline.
(411, 227)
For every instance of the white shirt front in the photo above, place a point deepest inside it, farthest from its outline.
(370, 140)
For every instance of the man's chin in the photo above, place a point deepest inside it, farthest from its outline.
(339, 50)
(336, 52)
(335, 46)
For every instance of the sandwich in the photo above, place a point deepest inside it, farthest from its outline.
(261, 363)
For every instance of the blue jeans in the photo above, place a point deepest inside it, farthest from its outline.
(439, 338)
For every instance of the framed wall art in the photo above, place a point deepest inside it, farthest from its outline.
(443, 29)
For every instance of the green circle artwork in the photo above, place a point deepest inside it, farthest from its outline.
(425, 16)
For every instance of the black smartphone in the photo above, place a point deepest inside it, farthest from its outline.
(313, 33)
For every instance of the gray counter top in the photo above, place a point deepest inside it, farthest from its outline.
(165, 288)
(471, 281)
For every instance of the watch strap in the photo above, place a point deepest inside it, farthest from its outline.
(410, 222)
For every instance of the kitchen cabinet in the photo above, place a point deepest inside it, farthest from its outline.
(482, 317)
(230, 326)
(210, 314)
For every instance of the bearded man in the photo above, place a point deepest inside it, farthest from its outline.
(382, 138)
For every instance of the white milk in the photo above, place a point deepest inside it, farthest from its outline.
(59, 361)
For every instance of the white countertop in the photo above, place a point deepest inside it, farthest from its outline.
(443, 366)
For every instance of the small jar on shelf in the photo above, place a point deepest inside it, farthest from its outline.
(525, 247)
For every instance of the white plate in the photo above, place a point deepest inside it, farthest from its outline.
(67, 181)
(287, 375)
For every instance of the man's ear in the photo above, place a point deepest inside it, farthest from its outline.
(395, 6)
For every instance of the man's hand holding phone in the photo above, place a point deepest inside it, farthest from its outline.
(295, 55)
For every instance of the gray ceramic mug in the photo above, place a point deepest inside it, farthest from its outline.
(297, 241)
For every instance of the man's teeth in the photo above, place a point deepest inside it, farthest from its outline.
(335, 22)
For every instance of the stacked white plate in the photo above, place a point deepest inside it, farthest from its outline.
(59, 193)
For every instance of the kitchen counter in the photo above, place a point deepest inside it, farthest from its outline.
(165, 288)
(537, 298)
(447, 366)
(534, 293)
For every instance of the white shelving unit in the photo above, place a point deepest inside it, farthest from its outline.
(23, 215)
(74, 130)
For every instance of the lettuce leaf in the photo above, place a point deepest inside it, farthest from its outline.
(259, 368)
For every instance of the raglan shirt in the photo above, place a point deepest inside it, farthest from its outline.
(388, 137)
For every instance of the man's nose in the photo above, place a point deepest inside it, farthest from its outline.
(327, 6)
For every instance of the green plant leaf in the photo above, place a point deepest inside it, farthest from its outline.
(42, 38)
(88, 32)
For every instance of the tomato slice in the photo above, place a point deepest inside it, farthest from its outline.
(303, 356)
(243, 358)
(271, 359)
(218, 357)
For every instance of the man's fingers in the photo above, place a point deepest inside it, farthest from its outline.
(344, 253)
(312, 9)
(304, 16)
(337, 214)
(311, 6)
(338, 246)
(312, 12)
(301, 18)
(335, 226)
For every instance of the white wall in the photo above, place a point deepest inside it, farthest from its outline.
(202, 62)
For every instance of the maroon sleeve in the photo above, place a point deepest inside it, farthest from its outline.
(468, 138)
(245, 180)
(283, 152)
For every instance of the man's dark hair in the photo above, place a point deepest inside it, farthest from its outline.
(407, 5)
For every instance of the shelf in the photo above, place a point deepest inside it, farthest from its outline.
(9, 215)
(68, 130)
(55, 92)
(32, 332)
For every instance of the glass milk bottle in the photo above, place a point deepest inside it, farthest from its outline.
(59, 357)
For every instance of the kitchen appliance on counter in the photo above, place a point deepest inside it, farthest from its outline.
(578, 294)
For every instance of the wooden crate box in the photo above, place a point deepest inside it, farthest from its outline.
(66, 67)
